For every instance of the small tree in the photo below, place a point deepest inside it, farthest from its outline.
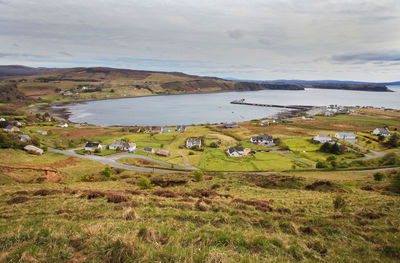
(393, 142)
(379, 176)
(198, 175)
(107, 171)
(144, 183)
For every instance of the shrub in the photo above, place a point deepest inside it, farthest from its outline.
(393, 142)
(395, 183)
(198, 175)
(379, 176)
(339, 203)
(107, 171)
(214, 145)
(331, 148)
(144, 183)
(88, 178)
(321, 165)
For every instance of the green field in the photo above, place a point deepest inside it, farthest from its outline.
(216, 160)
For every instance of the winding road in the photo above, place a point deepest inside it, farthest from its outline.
(112, 161)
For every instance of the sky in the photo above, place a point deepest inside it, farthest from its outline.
(249, 39)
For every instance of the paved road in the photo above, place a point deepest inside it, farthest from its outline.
(111, 161)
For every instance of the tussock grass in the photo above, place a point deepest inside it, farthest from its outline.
(227, 218)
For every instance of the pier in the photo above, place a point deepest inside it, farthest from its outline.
(295, 107)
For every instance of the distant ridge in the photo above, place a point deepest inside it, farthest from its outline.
(299, 81)
(158, 82)
(18, 70)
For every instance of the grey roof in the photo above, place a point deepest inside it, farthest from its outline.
(383, 131)
(147, 149)
(92, 144)
(235, 149)
(263, 137)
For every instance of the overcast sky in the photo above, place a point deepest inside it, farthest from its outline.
(248, 39)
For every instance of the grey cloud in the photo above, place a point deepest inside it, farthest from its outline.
(23, 55)
(264, 34)
(65, 53)
(368, 57)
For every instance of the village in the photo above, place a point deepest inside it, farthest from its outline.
(262, 145)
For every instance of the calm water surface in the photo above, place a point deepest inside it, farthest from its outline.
(216, 107)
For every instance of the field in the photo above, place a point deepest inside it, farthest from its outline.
(141, 163)
(226, 218)
(216, 160)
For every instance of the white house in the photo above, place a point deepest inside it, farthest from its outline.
(193, 142)
(264, 123)
(22, 138)
(148, 149)
(237, 151)
(322, 138)
(308, 118)
(34, 149)
(181, 128)
(345, 136)
(63, 125)
(11, 128)
(92, 146)
(329, 113)
(262, 139)
(381, 131)
(123, 146)
(163, 153)
(2, 119)
(42, 132)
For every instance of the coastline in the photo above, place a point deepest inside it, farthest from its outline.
(60, 109)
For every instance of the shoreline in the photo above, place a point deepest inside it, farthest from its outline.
(60, 109)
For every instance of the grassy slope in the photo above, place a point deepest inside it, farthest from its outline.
(302, 226)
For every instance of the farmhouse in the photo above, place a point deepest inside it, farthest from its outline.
(181, 128)
(262, 139)
(238, 151)
(42, 132)
(322, 138)
(92, 146)
(308, 118)
(33, 149)
(22, 138)
(63, 125)
(156, 129)
(11, 128)
(148, 150)
(345, 136)
(166, 129)
(381, 131)
(230, 125)
(264, 123)
(122, 146)
(163, 153)
(193, 142)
